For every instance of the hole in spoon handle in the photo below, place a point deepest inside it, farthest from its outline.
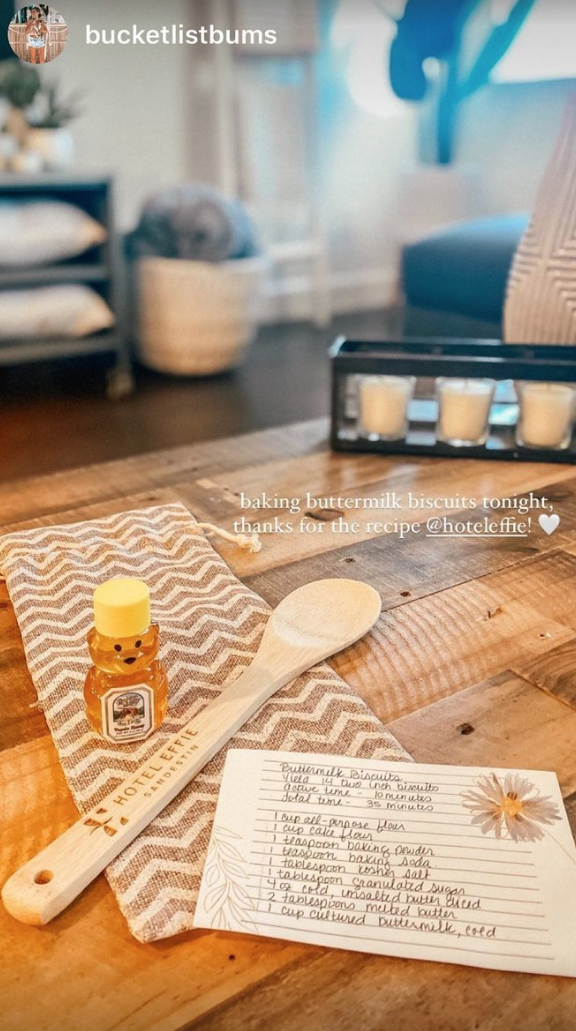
(43, 877)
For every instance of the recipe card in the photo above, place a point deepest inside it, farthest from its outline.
(452, 863)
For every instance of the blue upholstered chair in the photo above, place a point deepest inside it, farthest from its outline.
(454, 280)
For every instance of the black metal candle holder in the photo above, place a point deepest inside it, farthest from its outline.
(428, 359)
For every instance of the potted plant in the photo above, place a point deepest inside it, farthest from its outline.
(19, 86)
(48, 134)
(440, 56)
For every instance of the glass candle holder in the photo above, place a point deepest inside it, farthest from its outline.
(464, 410)
(546, 415)
(384, 400)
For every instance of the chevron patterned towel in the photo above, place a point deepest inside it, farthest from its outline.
(210, 625)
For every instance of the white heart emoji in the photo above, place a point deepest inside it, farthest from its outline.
(549, 523)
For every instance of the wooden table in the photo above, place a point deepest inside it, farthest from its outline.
(473, 661)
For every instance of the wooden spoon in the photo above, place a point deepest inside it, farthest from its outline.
(313, 622)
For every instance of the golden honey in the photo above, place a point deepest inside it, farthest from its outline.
(126, 689)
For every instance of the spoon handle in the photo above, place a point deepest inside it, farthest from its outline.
(49, 882)
(310, 624)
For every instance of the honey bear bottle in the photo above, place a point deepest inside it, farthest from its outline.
(126, 690)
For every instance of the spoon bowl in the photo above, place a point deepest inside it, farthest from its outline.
(320, 619)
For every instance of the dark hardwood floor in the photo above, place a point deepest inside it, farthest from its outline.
(55, 415)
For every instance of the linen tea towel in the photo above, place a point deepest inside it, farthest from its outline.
(210, 626)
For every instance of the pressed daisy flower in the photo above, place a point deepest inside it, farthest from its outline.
(512, 804)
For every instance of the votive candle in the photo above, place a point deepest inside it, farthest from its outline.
(384, 404)
(546, 415)
(464, 410)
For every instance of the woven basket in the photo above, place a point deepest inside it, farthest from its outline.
(197, 319)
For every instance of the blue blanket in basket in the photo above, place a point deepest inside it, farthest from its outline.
(195, 223)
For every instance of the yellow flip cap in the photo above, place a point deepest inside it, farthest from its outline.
(122, 607)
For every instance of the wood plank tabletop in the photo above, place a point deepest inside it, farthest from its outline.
(472, 662)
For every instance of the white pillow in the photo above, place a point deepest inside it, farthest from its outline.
(53, 311)
(37, 232)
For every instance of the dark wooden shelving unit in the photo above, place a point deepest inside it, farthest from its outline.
(96, 268)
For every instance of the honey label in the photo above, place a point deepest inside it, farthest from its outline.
(127, 713)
